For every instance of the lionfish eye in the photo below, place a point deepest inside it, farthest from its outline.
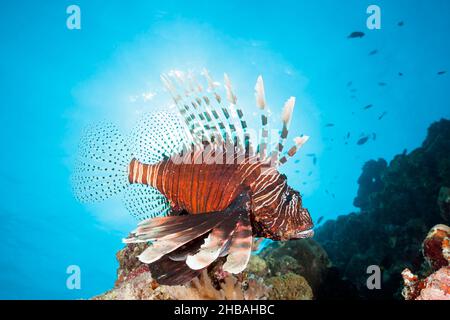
(289, 197)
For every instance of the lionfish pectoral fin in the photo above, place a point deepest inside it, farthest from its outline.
(215, 244)
(240, 247)
(170, 233)
(169, 272)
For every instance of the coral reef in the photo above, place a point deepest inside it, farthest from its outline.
(435, 286)
(134, 281)
(303, 257)
(290, 286)
(398, 204)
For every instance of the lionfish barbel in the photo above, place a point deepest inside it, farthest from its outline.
(195, 181)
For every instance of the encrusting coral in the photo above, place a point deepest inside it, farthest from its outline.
(290, 286)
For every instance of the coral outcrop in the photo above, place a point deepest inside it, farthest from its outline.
(290, 286)
(399, 202)
(134, 282)
(303, 257)
(436, 286)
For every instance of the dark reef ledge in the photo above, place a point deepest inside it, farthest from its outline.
(399, 202)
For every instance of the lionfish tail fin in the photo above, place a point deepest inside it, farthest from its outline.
(101, 167)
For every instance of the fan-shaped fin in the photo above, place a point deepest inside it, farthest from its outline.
(101, 166)
(145, 202)
(157, 136)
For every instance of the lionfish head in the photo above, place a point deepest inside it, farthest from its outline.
(299, 224)
(285, 218)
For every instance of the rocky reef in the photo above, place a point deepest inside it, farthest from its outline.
(399, 202)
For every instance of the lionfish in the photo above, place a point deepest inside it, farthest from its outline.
(194, 179)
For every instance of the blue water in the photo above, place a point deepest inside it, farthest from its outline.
(54, 81)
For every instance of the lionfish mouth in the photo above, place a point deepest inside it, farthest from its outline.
(305, 234)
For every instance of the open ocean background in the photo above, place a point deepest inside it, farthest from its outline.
(54, 81)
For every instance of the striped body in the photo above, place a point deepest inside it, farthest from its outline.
(197, 187)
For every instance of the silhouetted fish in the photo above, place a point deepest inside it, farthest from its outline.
(297, 161)
(382, 115)
(329, 125)
(368, 106)
(400, 74)
(348, 135)
(310, 154)
(314, 160)
(371, 53)
(349, 84)
(319, 220)
(374, 136)
(362, 140)
(381, 84)
(441, 72)
(356, 34)
(400, 24)
(309, 174)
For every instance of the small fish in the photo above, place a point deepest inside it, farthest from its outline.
(310, 154)
(349, 83)
(368, 106)
(319, 220)
(440, 73)
(382, 84)
(348, 135)
(329, 125)
(297, 161)
(400, 23)
(382, 115)
(362, 140)
(314, 160)
(374, 136)
(297, 171)
(371, 53)
(356, 34)
(309, 174)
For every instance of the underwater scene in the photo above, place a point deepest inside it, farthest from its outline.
(226, 150)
